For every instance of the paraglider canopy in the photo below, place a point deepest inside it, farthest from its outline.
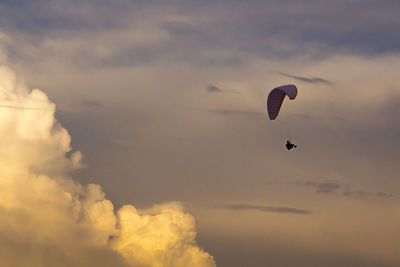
(276, 97)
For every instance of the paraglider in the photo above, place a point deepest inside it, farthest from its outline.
(276, 97)
(289, 145)
(274, 103)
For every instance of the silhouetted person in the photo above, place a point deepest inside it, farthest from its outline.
(289, 145)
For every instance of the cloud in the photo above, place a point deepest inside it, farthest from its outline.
(324, 187)
(307, 79)
(99, 34)
(53, 220)
(214, 89)
(354, 193)
(339, 189)
(384, 195)
(265, 209)
(162, 236)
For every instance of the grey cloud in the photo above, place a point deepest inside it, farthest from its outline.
(339, 189)
(307, 79)
(324, 187)
(363, 194)
(383, 195)
(354, 193)
(45, 17)
(218, 35)
(214, 89)
(265, 209)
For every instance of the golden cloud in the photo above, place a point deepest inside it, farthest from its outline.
(46, 218)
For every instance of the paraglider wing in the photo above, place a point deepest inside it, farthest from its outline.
(276, 97)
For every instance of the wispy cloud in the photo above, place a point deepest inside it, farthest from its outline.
(340, 189)
(265, 208)
(383, 195)
(348, 192)
(307, 79)
(323, 187)
(214, 89)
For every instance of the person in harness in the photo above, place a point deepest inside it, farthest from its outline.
(289, 145)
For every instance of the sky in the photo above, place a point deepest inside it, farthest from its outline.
(135, 133)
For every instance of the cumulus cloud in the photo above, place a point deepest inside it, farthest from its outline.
(163, 236)
(53, 220)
